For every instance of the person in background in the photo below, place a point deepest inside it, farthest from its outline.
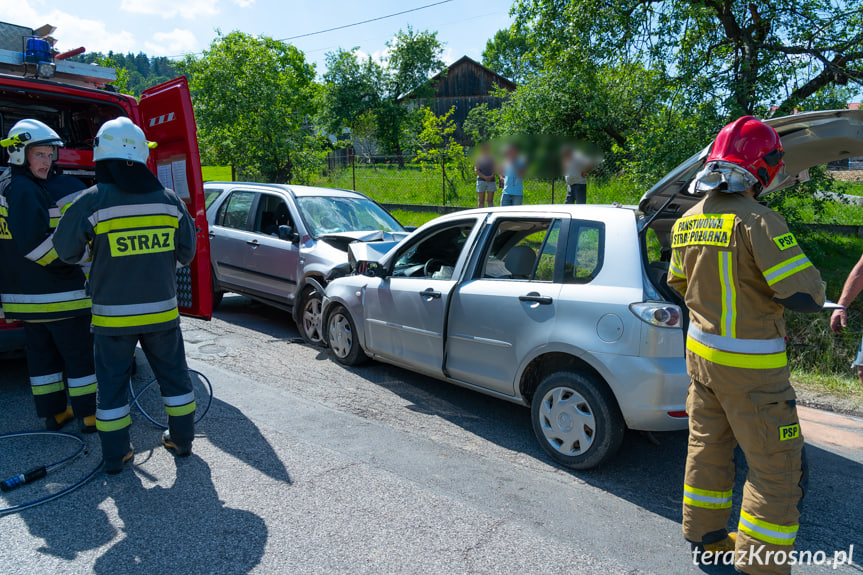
(576, 166)
(839, 320)
(513, 177)
(486, 180)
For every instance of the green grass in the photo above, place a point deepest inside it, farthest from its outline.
(413, 218)
(216, 173)
(412, 185)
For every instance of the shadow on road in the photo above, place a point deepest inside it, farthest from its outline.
(643, 473)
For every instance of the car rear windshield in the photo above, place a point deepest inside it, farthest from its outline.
(334, 215)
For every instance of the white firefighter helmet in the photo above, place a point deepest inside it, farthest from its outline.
(28, 133)
(121, 139)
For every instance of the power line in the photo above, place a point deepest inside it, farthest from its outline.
(366, 21)
(345, 26)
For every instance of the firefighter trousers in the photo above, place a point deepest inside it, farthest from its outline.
(764, 423)
(60, 357)
(166, 355)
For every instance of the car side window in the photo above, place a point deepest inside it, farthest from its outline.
(210, 195)
(234, 213)
(435, 255)
(523, 249)
(585, 253)
(272, 212)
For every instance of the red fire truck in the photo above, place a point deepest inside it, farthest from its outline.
(75, 99)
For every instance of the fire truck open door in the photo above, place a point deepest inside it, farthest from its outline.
(167, 119)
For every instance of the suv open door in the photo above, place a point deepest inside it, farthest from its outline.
(167, 119)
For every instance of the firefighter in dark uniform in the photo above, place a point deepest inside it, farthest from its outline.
(739, 268)
(140, 231)
(39, 288)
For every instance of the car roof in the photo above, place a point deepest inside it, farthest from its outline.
(575, 210)
(297, 191)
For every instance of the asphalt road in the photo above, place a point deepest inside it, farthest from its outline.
(302, 466)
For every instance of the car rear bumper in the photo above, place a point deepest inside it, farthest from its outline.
(649, 390)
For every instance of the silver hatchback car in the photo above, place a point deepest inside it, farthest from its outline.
(280, 244)
(549, 306)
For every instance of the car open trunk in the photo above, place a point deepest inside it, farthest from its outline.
(809, 139)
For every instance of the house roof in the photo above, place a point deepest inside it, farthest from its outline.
(501, 81)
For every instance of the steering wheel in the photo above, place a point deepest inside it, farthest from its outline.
(427, 267)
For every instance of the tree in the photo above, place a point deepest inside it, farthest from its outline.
(439, 151)
(361, 93)
(754, 54)
(254, 98)
(509, 54)
(480, 124)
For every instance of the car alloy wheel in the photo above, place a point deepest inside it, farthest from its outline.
(567, 421)
(311, 318)
(341, 335)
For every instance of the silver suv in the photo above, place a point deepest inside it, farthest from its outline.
(280, 244)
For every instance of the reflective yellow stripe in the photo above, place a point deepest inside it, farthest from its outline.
(135, 320)
(728, 321)
(46, 389)
(136, 222)
(83, 390)
(706, 499)
(47, 258)
(181, 409)
(114, 424)
(766, 531)
(787, 268)
(46, 307)
(53, 222)
(745, 360)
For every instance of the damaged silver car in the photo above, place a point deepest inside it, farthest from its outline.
(281, 244)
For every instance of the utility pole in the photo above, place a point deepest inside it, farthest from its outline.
(353, 169)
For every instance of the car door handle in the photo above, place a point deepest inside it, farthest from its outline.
(253, 243)
(536, 298)
(430, 293)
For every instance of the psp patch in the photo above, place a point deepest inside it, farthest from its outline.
(138, 242)
(703, 230)
(786, 241)
(789, 432)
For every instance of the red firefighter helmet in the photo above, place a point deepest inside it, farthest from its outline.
(752, 145)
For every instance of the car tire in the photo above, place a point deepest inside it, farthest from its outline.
(341, 337)
(571, 408)
(217, 293)
(309, 320)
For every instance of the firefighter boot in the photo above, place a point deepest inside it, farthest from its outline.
(87, 424)
(115, 466)
(179, 449)
(59, 420)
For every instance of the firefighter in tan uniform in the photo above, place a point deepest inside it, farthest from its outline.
(739, 267)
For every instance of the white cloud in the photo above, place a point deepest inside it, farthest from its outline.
(448, 56)
(188, 9)
(72, 31)
(172, 43)
(243, 3)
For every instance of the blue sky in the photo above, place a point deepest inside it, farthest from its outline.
(174, 27)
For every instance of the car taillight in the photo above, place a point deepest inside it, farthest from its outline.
(659, 314)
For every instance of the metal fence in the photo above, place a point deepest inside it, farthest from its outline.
(404, 180)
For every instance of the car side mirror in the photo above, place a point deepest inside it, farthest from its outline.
(371, 269)
(288, 234)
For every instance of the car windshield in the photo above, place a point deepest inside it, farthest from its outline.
(334, 215)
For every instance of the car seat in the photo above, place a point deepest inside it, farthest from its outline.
(519, 262)
(281, 217)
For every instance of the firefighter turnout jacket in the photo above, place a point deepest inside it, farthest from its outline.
(734, 260)
(35, 285)
(736, 264)
(138, 237)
